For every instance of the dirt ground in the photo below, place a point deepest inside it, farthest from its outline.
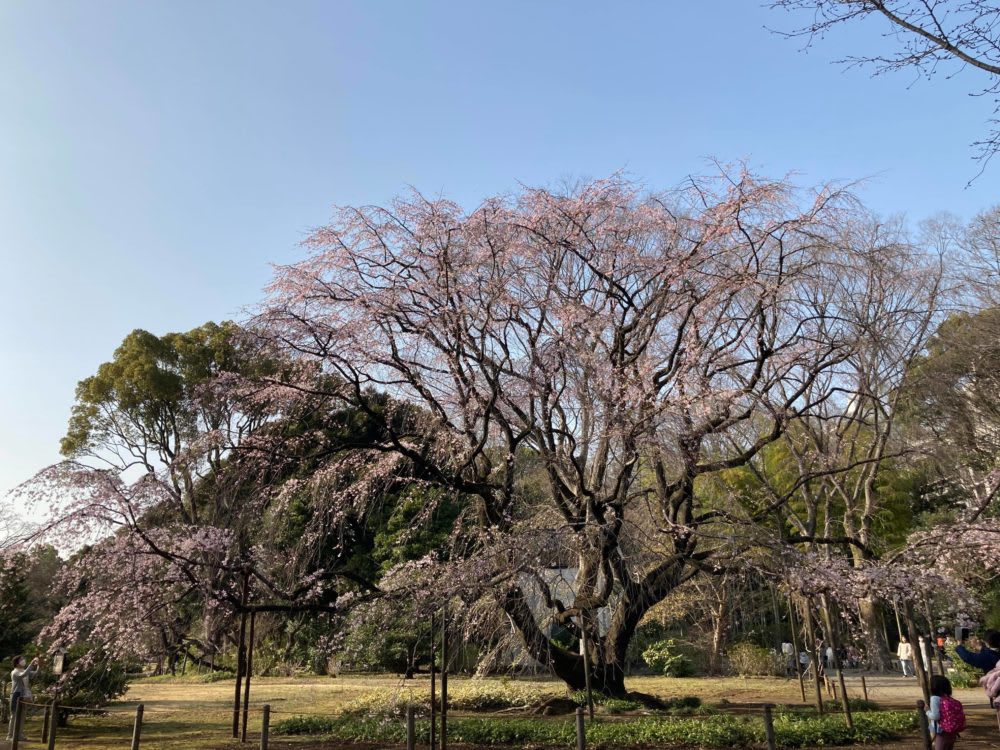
(189, 715)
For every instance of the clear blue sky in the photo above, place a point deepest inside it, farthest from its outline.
(156, 156)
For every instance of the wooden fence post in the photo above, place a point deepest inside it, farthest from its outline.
(864, 687)
(444, 677)
(248, 661)
(53, 724)
(137, 729)
(45, 725)
(433, 686)
(769, 727)
(18, 726)
(795, 646)
(411, 729)
(925, 730)
(265, 727)
(581, 730)
(241, 654)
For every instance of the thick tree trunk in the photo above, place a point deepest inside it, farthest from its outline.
(607, 653)
(878, 649)
(606, 679)
(720, 634)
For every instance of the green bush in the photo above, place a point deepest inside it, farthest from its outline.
(856, 704)
(668, 658)
(491, 695)
(791, 730)
(620, 705)
(386, 703)
(217, 676)
(750, 660)
(473, 695)
(960, 673)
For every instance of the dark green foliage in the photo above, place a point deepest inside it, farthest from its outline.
(713, 731)
(15, 610)
(26, 599)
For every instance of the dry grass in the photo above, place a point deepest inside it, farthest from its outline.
(185, 715)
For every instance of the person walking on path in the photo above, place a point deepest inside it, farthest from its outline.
(905, 655)
(20, 689)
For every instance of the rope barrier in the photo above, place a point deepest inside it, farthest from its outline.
(69, 708)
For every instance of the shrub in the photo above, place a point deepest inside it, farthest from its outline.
(750, 660)
(490, 695)
(620, 705)
(960, 673)
(217, 676)
(386, 703)
(791, 730)
(857, 704)
(474, 695)
(667, 658)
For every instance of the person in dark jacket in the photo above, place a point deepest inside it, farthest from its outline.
(987, 657)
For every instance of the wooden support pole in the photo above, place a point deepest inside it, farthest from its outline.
(835, 663)
(795, 647)
(444, 678)
(581, 730)
(769, 727)
(864, 687)
(45, 724)
(816, 659)
(265, 727)
(918, 661)
(433, 696)
(18, 725)
(586, 666)
(240, 655)
(411, 729)
(925, 730)
(137, 728)
(53, 724)
(246, 685)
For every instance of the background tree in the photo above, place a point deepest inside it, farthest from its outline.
(932, 37)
